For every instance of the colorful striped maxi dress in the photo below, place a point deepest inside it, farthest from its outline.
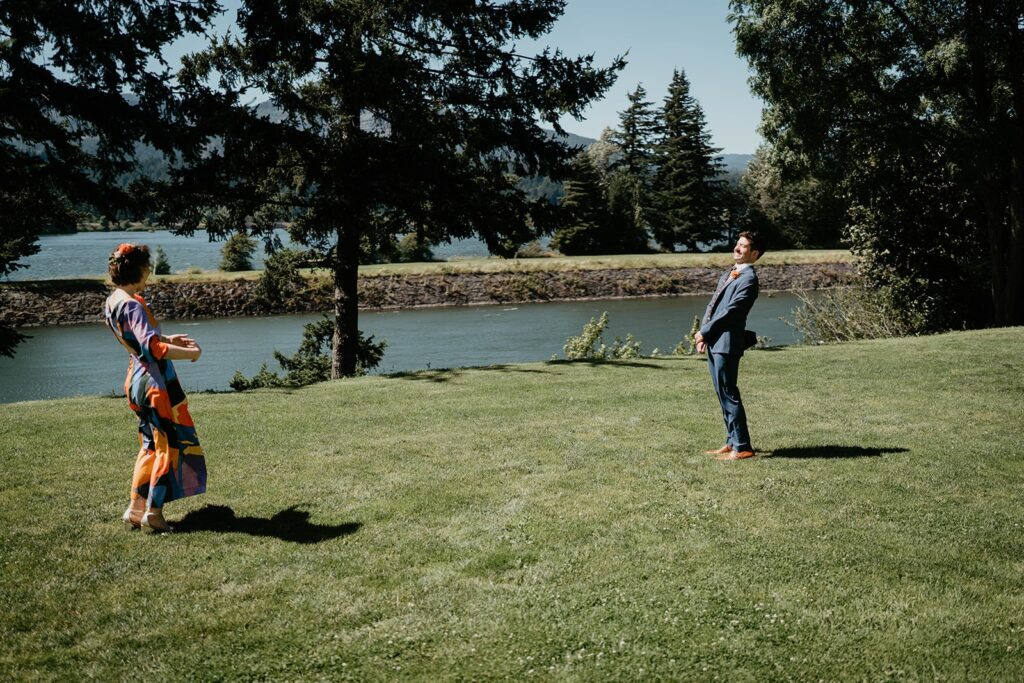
(170, 464)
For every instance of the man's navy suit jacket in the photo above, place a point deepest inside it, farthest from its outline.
(723, 333)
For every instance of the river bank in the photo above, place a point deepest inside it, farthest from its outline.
(418, 338)
(69, 302)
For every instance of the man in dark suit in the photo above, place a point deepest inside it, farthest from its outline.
(722, 337)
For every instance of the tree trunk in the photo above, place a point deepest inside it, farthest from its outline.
(346, 303)
(988, 154)
(346, 254)
(991, 200)
(1015, 255)
(1015, 249)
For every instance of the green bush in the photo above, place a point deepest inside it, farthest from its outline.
(688, 345)
(625, 349)
(264, 379)
(584, 346)
(236, 254)
(280, 279)
(162, 265)
(588, 345)
(533, 250)
(411, 250)
(854, 312)
(312, 362)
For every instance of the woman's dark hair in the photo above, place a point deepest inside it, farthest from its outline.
(756, 242)
(126, 263)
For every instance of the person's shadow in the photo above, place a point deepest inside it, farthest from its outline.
(290, 524)
(833, 452)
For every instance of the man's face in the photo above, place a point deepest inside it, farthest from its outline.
(742, 253)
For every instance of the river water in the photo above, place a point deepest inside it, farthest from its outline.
(86, 360)
(84, 254)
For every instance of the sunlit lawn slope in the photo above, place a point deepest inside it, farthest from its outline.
(546, 520)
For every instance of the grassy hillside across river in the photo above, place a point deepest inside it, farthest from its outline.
(554, 520)
(558, 263)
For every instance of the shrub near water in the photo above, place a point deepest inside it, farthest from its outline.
(688, 345)
(236, 254)
(162, 265)
(411, 249)
(588, 345)
(280, 279)
(850, 313)
(312, 362)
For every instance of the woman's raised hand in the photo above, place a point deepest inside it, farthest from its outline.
(182, 347)
(182, 340)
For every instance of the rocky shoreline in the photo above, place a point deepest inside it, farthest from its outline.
(69, 302)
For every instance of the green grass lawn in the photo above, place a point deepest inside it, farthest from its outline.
(618, 261)
(556, 521)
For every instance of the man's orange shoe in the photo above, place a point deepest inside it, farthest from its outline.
(736, 455)
(721, 451)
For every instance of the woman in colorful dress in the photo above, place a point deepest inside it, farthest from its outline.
(170, 464)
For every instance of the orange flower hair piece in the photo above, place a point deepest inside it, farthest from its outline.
(124, 249)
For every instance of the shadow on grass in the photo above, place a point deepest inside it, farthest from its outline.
(611, 363)
(290, 524)
(446, 374)
(837, 452)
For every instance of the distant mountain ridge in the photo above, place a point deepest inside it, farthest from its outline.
(734, 163)
(151, 163)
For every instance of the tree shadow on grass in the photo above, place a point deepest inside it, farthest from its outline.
(290, 524)
(446, 374)
(610, 363)
(832, 452)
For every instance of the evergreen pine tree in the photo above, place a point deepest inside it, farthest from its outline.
(236, 254)
(637, 134)
(82, 84)
(688, 184)
(162, 265)
(585, 201)
(631, 174)
(388, 116)
(627, 214)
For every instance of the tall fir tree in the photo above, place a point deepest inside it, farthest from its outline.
(82, 83)
(636, 136)
(586, 229)
(631, 191)
(388, 117)
(627, 230)
(236, 253)
(688, 181)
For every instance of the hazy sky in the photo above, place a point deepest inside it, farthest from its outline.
(659, 36)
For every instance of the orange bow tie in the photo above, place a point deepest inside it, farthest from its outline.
(734, 274)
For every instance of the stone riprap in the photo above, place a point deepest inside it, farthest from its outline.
(67, 302)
